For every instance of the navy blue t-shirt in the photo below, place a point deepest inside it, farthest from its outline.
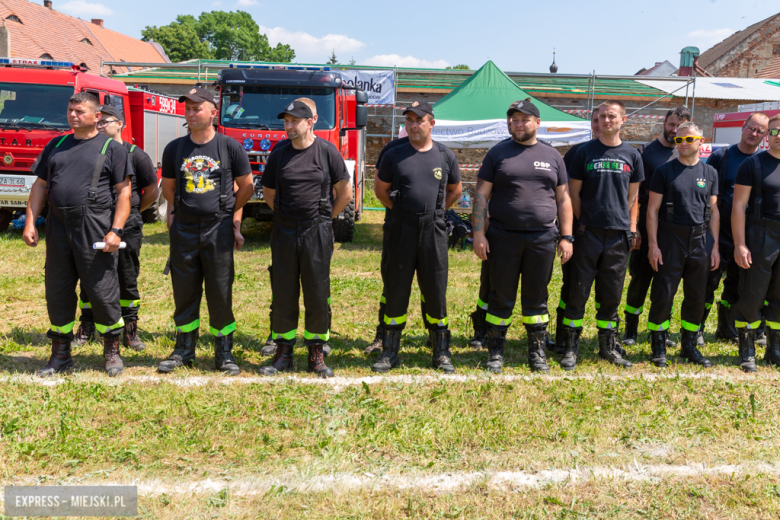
(736, 158)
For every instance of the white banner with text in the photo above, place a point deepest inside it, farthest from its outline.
(378, 84)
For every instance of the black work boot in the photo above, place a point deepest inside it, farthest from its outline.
(442, 359)
(632, 329)
(495, 344)
(537, 345)
(559, 349)
(84, 334)
(183, 352)
(479, 341)
(391, 344)
(571, 345)
(726, 330)
(690, 351)
(608, 348)
(658, 347)
(130, 338)
(761, 333)
(747, 350)
(376, 345)
(283, 359)
(772, 353)
(317, 362)
(270, 346)
(114, 365)
(223, 355)
(60, 360)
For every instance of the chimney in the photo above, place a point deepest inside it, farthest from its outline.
(98, 21)
(47, 3)
(5, 40)
(687, 57)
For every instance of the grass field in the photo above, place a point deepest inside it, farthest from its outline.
(681, 442)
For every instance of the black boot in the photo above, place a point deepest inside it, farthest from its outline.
(270, 346)
(571, 345)
(537, 344)
(442, 359)
(183, 352)
(726, 330)
(60, 360)
(495, 344)
(747, 350)
(761, 333)
(317, 362)
(772, 354)
(114, 365)
(619, 344)
(130, 338)
(608, 350)
(283, 359)
(559, 349)
(84, 334)
(223, 356)
(690, 351)
(376, 345)
(632, 329)
(479, 340)
(658, 347)
(391, 344)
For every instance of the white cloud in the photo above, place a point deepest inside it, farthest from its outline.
(216, 4)
(85, 9)
(706, 38)
(245, 3)
(311, 48)
(392, 60)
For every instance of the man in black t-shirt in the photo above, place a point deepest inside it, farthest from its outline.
(300, 178)
(526, 184)
(417, 181)
(604, 181)
(198, 174)
(682, 243)
(81, 174)
(144, 193)
(757, 249)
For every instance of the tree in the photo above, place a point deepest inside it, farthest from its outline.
(352, 61)
(217, 35)
(333, 60)
(458, 67)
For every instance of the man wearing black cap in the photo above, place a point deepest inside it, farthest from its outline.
(145, 192)
(417, 181)
(199, 171)
(526, 184)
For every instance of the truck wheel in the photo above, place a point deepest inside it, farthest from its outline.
(157, 212)
(344, 224)
(6, 216)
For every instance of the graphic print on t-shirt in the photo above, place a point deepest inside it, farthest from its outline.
(601, 166)
(197, 172)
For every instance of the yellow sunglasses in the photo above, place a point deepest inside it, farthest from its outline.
(688, 139)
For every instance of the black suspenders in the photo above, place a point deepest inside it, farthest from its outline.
(324, 195)
(395, 193)
(224, 165)
(101, 161)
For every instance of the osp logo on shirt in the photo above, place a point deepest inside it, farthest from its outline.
(701, 183)
(197, 171)
(541, 165)
(437, 173)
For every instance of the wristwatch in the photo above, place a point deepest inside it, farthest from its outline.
(118, 231)
(570, 238)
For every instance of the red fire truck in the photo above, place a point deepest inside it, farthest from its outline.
(727, 127)
(34, 97)
(251, 97)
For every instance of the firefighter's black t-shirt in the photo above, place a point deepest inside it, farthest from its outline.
(144, 173)
(382, 152)
(735, 158)
(72, 165)
(201, 173)
(419, 175)
(654, 154)
(568, 157)
(770, 184)
(524, 180)
(300, 176)
(606, 172)
(688, 188)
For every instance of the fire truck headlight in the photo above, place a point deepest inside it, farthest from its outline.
(248, 144)
(265, 144)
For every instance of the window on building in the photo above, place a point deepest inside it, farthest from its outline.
(13, 18)
(46, 56)
(86, 40)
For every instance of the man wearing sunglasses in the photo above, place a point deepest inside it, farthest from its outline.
(727, 161)
(682, 208)
(756, 226)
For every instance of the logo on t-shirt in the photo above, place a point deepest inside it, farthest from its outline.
(541, 165)
(701, 183)
(603, 166)
(437, 173)
(197, 171)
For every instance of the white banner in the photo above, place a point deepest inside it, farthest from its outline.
(485, 133)
(378, 84)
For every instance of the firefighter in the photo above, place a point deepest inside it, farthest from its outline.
(144, 194)
(417, 181)
(604, 181)
(199, 171)
(726, 161)
(81, 174)
(526, 183)
(685, 190)
(755, 222)
(300, 178)
(654, 154)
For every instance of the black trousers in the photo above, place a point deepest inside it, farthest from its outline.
(70, 259)
(484, 285)
(566, 279)
(730, 293)
(301, 251)
(128, 268)
(600, 255)
(512, 254)
(416, 244)
(761, 282)
(202, 253)
(686, 253)
(640, 270)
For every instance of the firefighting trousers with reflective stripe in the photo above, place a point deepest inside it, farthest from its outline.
(484, 285)
(600, 255)
(730, 293)
(416, 243)
(566, 280)
(127, 270)
(522, 258)
(301, 251)
(202, 252)
(760, 283)
(70, 259)
(640, 270)
(685, 252)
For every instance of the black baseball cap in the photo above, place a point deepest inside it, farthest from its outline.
(112, 111)
(297, 109)
(525, 107)
(198, 95)
(421, 108)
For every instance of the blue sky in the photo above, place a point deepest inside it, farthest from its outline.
(610, 36)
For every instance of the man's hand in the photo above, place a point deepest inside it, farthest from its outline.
(565, 250)
(714, 258)
(742, 256)
(112, 242)
(654, 255)
(638, 241)
(237, 236)
(481, 246)
(30, 234)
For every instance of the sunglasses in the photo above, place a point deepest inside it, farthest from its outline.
(774, 132)
(688, 139)
(106, 122)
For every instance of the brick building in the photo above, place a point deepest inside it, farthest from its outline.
(751, 53)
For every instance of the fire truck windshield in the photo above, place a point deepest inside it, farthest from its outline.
(257, 107)
(34, 106)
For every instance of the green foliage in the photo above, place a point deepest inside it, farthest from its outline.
(458, 67)
(217, 35)
(333, 60)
